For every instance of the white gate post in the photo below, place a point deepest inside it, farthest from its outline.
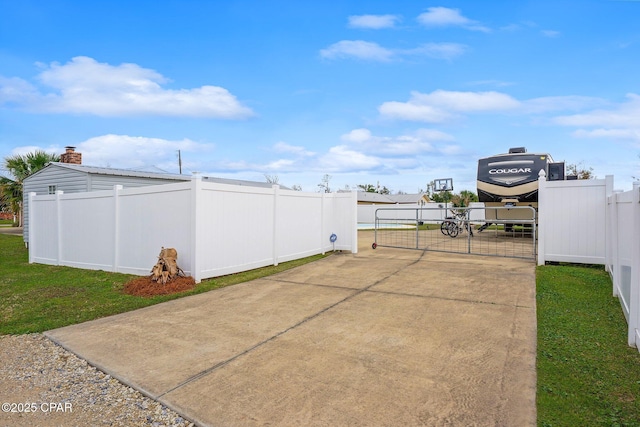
(31, 239)
(542, 200)
(354, 223)
(276, 196)
(614, 237)
(634, 299)
(59, 227)
(322, 220)
(608, 236)
(196, 218)
(116, 225)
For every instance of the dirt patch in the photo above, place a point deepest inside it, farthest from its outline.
(145, 287)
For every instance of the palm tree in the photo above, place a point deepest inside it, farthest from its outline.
(20, 167)
(465, 198)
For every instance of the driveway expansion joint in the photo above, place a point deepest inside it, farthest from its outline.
(263, 342)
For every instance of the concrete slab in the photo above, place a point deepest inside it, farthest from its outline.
(158, 348)
(383, 337)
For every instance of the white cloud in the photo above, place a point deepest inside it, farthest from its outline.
(413, 111)
(16, 91)
(446, 17)
(85, 86)
(360, 49)
(357, 49)
(467, 101)
(433, 135)
(626, 115)
(283, 147)
(441, 105)
(125, 151)
(561, 103)
(550, 33)
(360, 152)
(373, 21)
(618, 134)
(343, 158)
(618, 122)
(420, 142)
(438, 50)
(357, 135)
(279, 165)
(26, 149)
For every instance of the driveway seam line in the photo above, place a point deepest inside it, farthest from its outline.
(260, 344)
(406, 294)
(450, 299)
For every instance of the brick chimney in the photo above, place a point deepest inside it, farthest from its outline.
(70, 156)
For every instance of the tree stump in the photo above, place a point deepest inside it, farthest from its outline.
(166, 269)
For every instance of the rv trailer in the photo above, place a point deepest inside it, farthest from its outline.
(511, 179)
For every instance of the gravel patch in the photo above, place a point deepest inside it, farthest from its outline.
(42, 384)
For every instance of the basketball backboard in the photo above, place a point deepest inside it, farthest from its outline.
(445, 184)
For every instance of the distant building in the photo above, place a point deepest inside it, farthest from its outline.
(367, 198)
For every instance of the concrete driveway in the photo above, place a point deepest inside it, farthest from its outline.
(7, 229)
(382, 338)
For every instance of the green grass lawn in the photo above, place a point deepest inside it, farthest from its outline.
(36, 297)
(587, 375)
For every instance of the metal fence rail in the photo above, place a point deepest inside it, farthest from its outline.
(422, 229)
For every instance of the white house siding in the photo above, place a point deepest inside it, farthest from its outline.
(106, 182)
(70, 181)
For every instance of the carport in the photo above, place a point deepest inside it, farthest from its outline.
(384, 337)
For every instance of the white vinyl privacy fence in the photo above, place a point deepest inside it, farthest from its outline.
(585, 221)
(217, 229)
(623, 255)
(572, 219)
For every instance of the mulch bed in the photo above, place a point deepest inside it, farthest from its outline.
(145, 287)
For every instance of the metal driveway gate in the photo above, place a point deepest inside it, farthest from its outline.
(480, 231)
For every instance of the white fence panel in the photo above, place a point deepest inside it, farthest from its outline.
(624, 262)
(584, 221)
(572, 220)
(294, 238)
(87, 229)
(216, 228)
(45, 215)
(235, 232)
(340, 217)
(149, 218)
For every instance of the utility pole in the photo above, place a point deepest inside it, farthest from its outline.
(180, 162)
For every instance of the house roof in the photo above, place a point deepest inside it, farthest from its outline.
(408, 198)
(368, 197)
(97, 170)
(156, 173)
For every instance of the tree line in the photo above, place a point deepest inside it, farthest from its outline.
(17, 168)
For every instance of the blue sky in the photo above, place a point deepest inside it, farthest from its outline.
(391, 92)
